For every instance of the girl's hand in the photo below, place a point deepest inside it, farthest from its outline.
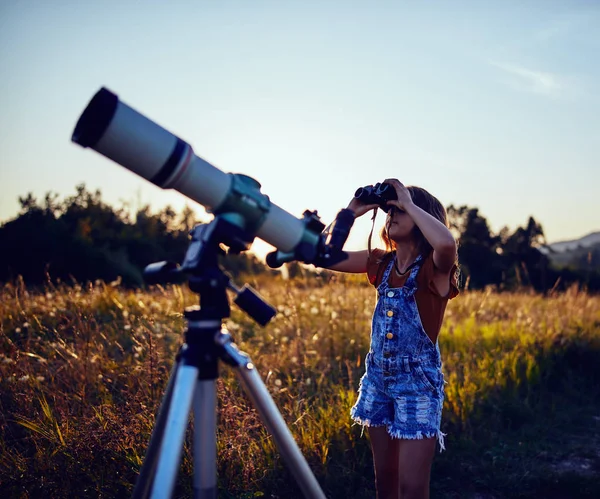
(404, 199)
(359, 208)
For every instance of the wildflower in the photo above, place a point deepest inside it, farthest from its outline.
(308, 381)
(334, 315)
(18, 330)
(24, 378)
(232, 326)
(315, 337)
(100, 376)
(40, 379)
(294, 360)
(277, 382)
(314, 310)
(26, 325)
(127, 327)
(49, 296)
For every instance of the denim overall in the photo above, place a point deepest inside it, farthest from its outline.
(403, 386)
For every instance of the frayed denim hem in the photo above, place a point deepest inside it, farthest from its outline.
(365, 422)
(419, 435)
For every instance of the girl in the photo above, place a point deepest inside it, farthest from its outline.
(402, 391)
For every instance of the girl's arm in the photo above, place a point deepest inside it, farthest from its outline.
(356, 263)
(436, 233)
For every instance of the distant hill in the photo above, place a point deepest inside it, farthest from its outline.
(578, 253)
(585, 242)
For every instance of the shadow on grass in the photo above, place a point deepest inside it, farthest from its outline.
(544, 444)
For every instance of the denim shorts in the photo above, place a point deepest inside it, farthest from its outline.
(408, 401)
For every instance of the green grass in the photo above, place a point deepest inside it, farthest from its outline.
(83, 370)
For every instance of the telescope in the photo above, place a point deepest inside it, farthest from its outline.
(122, 134)
(242, 213)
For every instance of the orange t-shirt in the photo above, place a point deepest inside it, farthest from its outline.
(430, 303)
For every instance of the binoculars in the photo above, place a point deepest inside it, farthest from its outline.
(379, 194)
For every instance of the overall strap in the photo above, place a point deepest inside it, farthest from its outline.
(388, 269)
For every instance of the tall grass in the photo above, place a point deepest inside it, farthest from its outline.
(83, 370)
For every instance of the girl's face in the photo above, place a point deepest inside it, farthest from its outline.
(400, 226)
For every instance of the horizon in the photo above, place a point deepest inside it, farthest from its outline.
(260, 248)
(494, 108)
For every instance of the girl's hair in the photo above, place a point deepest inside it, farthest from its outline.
(427, 202)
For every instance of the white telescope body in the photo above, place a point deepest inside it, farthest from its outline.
(125, 136)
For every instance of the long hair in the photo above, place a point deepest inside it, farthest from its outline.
(427, 202)
(431, 205)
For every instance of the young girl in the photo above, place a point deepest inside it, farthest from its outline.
(402, 391)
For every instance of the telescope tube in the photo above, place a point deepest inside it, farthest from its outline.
(124, 135)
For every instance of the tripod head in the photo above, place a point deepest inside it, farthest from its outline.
(205, 275)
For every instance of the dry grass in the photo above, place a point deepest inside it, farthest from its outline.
(83, 369)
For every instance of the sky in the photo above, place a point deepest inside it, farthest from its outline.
(493, 105)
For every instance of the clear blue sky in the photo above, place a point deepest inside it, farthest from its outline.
(490, 104)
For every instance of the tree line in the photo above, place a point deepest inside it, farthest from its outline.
(81, 238)
(510, 260)
(84, 239)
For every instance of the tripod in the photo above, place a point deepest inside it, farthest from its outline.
(192, 382)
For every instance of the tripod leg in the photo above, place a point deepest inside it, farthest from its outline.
(258, 393)
(205, 440)
(174, 431)
(144, 481)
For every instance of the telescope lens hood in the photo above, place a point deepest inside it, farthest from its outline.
(96, 118)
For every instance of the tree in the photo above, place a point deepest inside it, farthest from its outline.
(478, 254)
(524, 263)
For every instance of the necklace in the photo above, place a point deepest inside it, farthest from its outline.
(407, 268)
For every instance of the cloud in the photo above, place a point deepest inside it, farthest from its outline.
(537, 82)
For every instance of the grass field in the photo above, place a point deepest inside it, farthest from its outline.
(83, 370)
